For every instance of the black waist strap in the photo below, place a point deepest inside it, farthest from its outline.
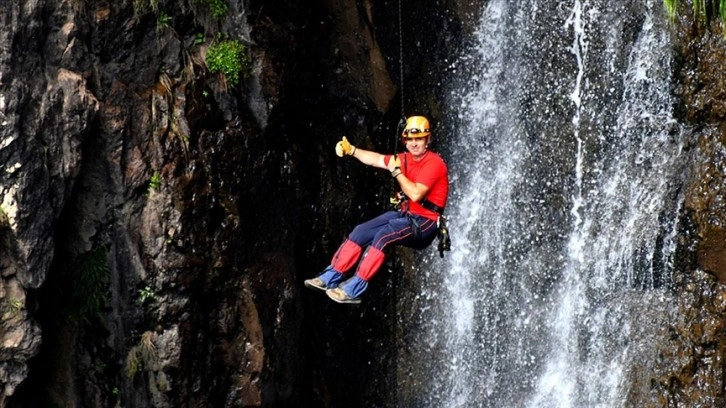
(431, 206)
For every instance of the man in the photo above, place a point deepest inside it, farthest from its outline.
(424, 181)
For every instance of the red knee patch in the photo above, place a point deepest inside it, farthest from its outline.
(346, 256)
(372, 260)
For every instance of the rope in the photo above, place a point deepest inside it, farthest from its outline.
(397, 136)
(401, 122)
(400, 52)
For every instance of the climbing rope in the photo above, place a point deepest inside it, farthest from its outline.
(399, 126)
(402, 121)
(400, 53)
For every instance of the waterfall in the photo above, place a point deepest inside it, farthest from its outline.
(566, 170)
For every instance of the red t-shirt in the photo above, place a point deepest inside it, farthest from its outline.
(430, 171)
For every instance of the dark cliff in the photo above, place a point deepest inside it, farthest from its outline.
(158, 218)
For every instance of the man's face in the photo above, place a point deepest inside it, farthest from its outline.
(416, 145)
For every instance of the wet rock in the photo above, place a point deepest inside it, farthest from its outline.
(696, 364)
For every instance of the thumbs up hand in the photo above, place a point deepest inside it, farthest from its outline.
(344, 148)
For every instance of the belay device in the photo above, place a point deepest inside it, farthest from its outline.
(443, 235)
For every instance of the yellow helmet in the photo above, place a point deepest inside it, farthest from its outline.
(416, 126)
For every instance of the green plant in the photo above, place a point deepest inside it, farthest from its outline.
(155, 182)
(142, 355)
(116, 392)
(146, 293)
(671, 6)
(90, 282)
(230, 58)
(703, 10)
(199, 38)
(98, 367)
(219, 8)
(133, 362)
(163, 20)
(699, 10)
(14, 305)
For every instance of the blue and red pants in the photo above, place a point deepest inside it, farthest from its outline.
(366, 244)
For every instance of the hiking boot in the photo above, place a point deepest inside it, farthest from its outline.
(316, 283)
(340, 296)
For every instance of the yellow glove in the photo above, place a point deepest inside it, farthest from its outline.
(344, 148)
(396, 161)
(395, 166)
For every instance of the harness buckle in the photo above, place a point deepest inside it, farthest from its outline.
(398, 199)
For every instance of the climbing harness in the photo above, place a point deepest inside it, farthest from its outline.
(431, 206)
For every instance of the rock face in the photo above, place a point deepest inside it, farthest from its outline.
(45, 110)
(690, 371)
(157, 221)
(20, 336)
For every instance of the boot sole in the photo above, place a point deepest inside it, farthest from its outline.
(312, 286)
(347, 301)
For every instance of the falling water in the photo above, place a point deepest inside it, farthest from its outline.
(565, 195)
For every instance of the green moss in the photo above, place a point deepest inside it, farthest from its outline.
(230, 58)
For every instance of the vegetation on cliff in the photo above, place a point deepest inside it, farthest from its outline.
(702, 10)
